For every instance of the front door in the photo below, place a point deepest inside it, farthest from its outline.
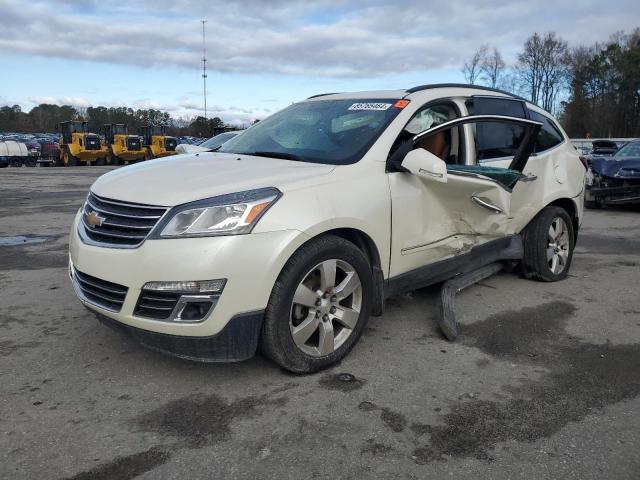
(432, 220)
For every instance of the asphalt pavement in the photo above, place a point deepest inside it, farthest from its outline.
(543, 382)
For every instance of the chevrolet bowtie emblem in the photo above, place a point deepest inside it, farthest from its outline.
(93, 219)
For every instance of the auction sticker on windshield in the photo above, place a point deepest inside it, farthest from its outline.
(370, 106)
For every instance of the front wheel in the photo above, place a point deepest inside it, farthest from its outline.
(548, 245)
(319, 305)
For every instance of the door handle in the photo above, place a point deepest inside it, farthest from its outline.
(530, 177)
(485, 203)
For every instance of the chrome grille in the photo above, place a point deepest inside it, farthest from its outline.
(107, 295)
(158, 305)
(122, 224)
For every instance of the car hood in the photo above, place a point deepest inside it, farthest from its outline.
(627, 168)
(187, 148)
(185, 178)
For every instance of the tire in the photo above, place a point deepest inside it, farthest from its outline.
(546, 258)
(301, 278)
(100, 162)
(70, 160)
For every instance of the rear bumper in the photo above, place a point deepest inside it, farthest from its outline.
(611, 195)
(237, 341)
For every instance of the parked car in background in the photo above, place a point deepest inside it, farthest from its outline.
(208, 145)
(315, 215)
(604, 147)
(614, 180)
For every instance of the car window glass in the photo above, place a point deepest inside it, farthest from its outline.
(218, 140)
(549, 135)
(629, 150)
(447, 144)
(494, 140)
(334, 132)
(498, 106)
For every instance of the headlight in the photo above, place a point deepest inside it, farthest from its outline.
(224, 215)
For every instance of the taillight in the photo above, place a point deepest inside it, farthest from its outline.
(584, 162)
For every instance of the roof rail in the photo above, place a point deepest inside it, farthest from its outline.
(322, 95)
(463, 85)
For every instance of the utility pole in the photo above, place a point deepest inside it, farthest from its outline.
(204, 69)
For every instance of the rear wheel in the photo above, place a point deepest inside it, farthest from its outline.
(319, 305)
(548, 245)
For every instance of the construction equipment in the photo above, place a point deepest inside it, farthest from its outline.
(77, 145)
(122, 146)
(156, 142)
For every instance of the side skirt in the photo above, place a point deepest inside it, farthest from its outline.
(507, 248)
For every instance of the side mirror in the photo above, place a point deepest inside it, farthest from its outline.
(426, 165)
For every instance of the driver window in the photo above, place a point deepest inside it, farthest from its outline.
(445, 145)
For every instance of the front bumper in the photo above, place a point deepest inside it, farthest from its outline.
(615, 195)
(250, 263)
(237, 341)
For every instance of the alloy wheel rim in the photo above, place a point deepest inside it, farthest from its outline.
(325, 308)
(558, 246)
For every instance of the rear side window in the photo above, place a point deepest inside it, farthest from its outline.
(549, 135)
(497, 140)
(508, 107)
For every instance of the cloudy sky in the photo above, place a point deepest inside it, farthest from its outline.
(263, 55)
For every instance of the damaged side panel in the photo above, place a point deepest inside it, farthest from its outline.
(433, 221)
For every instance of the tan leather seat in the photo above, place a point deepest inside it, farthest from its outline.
(436, 144)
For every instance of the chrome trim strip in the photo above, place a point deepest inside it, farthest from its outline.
(486, 204)
(83, 298)
(414, 247)
(111, 234)
(129, 205)
(480, 177)
(120, 225)
(110, 290)
(123, 215)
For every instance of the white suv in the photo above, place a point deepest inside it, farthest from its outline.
(290, 235)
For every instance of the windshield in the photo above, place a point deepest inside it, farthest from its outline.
(336, 132)
(215, 142)
(631, 149)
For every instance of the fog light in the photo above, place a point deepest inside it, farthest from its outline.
(198, 286)
(194, 311)
(193, 308)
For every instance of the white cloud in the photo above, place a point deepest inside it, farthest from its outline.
(331, 38)
(73, 101)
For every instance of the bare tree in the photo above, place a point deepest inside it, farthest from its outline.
(543, 68)
(492, 68)
(473, 68)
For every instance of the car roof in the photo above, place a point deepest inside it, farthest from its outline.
(442, 88)
(426, 93)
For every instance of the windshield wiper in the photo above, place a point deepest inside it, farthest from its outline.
(283, 155)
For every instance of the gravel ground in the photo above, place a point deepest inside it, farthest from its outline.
(544, 381)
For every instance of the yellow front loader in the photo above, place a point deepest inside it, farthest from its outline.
(122, 146)
(156, 142)
(78, 145)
